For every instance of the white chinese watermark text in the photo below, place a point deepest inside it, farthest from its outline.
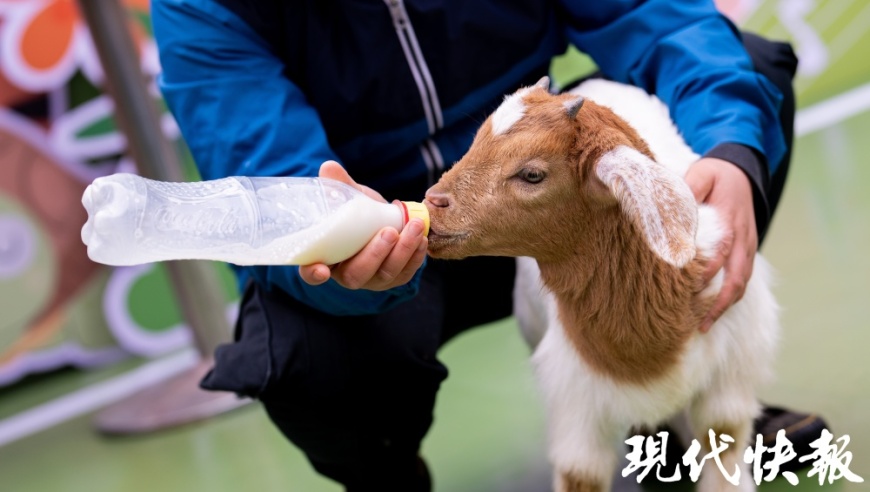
(830, 460)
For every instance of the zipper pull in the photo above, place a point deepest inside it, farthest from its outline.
(396, 11)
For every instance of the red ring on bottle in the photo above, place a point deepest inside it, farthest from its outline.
(405, 214)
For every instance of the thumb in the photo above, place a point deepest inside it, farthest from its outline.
(334, 170)
(700, 179)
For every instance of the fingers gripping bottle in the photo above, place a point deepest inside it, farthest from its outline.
(239, 220)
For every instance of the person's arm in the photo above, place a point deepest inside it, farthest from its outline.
(240, 115)
(692, 58)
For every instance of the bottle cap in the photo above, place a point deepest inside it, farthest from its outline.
(417, 209)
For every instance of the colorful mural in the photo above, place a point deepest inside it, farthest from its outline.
(57, 134)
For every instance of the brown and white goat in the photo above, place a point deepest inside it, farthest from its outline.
(611, 247)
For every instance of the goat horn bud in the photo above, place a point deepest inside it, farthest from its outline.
(544, 83)
(573, 106)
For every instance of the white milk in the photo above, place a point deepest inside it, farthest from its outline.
(343, 233)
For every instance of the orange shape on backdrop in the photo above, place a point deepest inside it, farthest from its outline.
(49, 35)
(141, 5)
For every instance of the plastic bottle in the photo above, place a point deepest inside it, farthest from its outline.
(239, 220)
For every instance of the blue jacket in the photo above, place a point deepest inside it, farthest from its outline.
(395, 90)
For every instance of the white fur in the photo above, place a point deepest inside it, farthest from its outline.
(509, 112)
(589, 414)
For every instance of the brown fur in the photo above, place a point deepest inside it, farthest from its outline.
(568, 482)
(732, 430)
(628, 313)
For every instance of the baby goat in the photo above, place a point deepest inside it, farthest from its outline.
(611, 248)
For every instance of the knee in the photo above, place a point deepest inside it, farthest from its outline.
(368, 379)
(359, 416)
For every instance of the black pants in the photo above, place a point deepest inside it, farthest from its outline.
(356, 394)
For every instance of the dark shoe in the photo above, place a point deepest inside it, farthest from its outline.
(415, 479)
(800, 428)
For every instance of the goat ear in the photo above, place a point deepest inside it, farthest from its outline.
(658, 201)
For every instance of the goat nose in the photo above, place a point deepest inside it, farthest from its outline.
(437, 199)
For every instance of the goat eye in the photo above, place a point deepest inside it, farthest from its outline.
(532, 176)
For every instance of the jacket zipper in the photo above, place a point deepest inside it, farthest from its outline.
(433, 160)
(423, 78)
(419, 69)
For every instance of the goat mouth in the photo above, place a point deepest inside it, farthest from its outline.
(441, 240)
(436, 236)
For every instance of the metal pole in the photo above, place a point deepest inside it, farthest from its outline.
(195, 283)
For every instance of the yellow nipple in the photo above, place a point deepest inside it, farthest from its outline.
(417, 209)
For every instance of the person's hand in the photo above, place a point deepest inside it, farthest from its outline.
(726, 188)
(389, 260)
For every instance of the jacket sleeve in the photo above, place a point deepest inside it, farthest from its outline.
(691, 56)
(239, 115)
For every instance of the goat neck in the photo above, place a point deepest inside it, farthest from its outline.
(628, 313)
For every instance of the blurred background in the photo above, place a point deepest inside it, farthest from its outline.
(76, 337)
